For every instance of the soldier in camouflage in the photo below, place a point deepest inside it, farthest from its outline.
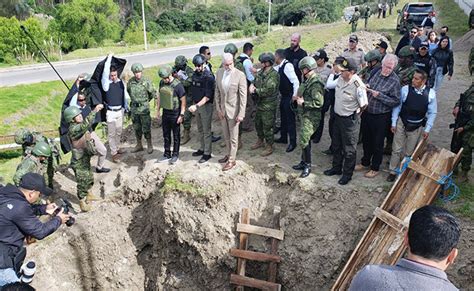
(365, 14)
(35, 162)
(464, 129)
(141, 92)
(28, 139)
(83, 149)
(310, 100)
(355, 19)
(184, 73)
(265, 89)
(406, 67)
(374, 62)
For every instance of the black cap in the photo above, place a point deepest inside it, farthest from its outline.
(382, 44)
(347, 65)
(353, 38)
(34, 181)
(424, 44)
(321, 54)
(339, 60)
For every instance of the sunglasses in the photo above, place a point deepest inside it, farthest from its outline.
(81, 100)
(208, 54)
(414, 31)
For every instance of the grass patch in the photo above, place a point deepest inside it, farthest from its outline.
(466, 200)
(173, 183)
(450, 14)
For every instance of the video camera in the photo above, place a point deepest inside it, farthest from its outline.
(66, 206)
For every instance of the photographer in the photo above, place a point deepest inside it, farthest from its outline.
(18, 219)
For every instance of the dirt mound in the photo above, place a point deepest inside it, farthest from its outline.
(465, 43)
(367, 40)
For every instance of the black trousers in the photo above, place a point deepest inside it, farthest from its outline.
(169, 124)
(288, 119)
(306, 154)
(344, 143)
(374, 130)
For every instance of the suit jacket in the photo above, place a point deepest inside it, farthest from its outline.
(232, 102)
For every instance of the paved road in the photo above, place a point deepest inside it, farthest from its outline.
(69, 70)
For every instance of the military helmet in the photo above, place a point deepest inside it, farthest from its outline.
(22, 135)
(180, 61)
(230, 48)
(267, 57)
(165, 71)
(373, 55)
(137, 67)
(198, 60)
(71, 112)
(406, 51)
(42, 149)
(308, 63)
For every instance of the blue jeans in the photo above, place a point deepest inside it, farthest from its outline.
(439, 78)
(8, 276)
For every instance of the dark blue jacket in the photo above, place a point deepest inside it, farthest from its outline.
(18, 218)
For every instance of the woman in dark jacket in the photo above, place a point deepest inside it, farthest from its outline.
(444, 61)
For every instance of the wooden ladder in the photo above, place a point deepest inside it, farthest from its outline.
(242, 254)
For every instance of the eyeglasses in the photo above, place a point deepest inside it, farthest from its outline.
(423, 48)
(415, 31)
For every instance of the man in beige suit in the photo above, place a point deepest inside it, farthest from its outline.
(230, 98)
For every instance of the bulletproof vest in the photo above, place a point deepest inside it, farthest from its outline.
(115, 95)
(415, 107)
(168, 100)
(199, 83)
(423, 63)
(241, 59)
(286, 87)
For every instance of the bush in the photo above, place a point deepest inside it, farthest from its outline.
(134, 34)
(86, 23)
(238, 34)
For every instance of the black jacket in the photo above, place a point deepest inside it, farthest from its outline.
(405, 40)
(444, 58)
(18, 218)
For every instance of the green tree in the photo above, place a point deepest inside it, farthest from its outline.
(86, 23)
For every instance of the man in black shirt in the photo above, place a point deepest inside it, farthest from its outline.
(295, 53)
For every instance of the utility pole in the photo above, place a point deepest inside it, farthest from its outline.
(144, 25)
(269, 13)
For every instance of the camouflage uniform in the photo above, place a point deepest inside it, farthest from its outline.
(405, 74)
(53, 160)
(81, 158)
(141, 93)
(467, 109)
(365, 13)
(354, 20)
(312, 91)
(31, 164)
(266, 84)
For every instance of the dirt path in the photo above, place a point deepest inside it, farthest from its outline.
(170, 227)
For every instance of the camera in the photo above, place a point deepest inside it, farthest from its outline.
(66, 206)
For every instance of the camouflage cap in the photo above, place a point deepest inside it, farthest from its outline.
(230, 48)
(180, 61)
(406, 51)
(22, 135)
(137, 67)
(373, 55)
(165, 71)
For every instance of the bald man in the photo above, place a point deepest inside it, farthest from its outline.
(295, 53)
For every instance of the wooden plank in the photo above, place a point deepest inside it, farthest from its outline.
(254, 283)
(258, 230)
(383, 244)
(243, 244)
(423, 171)
(273, 267)
(254, 256)
(389, 219)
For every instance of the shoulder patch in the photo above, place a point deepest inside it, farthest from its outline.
(346, 49)
(357, 84)
(359, 49)
(329, 66)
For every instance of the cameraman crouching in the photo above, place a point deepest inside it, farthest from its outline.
(18, 218)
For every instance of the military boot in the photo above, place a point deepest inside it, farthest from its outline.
(268, 150)
(258, 144)
(463, 177)
(85, 207)
(92, 197)
(138, 147)
(149, 146)
(186, 137)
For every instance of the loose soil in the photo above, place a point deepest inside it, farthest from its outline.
(164, 227)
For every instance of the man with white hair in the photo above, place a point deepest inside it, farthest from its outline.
(383, 91)
(231, 98)
(295, 53)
